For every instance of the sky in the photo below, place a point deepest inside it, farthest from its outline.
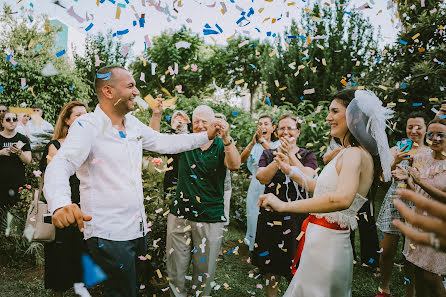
(195, 14)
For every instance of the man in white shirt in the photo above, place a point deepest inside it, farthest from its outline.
(104, 148)
(37, 126)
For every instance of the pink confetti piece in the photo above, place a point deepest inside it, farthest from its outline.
(22, 82)
(73, 14)
(189, 20)
(125, 50)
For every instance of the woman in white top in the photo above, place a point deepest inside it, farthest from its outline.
(357, 120)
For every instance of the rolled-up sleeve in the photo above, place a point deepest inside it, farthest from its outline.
(171, 144)
(67, 160)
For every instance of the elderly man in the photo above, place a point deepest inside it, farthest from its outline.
(104, 148)
(38, 126)
(196, 220)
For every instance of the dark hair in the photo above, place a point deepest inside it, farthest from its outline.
(35, 105)
(265, 116)
(99, 82)
(290, 116)
(346, 96)
(418, 114)
(437, 121)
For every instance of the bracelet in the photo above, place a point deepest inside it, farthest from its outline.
(230, 142)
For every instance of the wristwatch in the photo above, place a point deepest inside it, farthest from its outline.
(230, 142)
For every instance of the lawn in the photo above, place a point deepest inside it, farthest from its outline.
(232, 275)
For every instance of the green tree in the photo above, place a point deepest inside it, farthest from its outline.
(240, 59)
(26, 48)
(166, 52)
(330, 45)
(100, 50)
(411, 73)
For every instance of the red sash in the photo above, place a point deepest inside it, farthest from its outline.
(315, 220)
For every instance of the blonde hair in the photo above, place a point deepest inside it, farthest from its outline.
(61, 128)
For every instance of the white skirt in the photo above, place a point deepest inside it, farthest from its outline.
(326, 264)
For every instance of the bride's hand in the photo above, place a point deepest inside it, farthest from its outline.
(270, 201)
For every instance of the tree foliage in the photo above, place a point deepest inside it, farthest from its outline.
(328, 46)
(26, 47)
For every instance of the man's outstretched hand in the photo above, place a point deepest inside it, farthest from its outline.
(68, 215)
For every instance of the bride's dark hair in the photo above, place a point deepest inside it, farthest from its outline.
(346, 96)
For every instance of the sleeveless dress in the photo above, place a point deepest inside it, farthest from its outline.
(326, 263)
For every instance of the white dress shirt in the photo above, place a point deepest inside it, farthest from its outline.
(108, 164)
(35, 129)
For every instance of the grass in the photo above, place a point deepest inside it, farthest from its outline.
(232, 275)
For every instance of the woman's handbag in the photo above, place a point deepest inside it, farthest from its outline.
(36, 229)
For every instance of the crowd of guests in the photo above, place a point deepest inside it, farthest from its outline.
(93, 186)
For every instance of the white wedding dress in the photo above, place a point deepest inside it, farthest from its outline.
(326, 263)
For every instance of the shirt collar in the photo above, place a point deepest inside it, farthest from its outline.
(103, 116)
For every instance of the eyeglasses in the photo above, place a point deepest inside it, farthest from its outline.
(431, 135)
(283, 129)
(11, 120)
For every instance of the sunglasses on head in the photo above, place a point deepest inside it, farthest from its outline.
(11, 120)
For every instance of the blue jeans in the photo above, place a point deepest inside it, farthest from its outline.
(118, 259)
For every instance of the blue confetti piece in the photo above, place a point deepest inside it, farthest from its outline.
(193, 176)
(287, 218)
(122, 32)
(254, 44)
(101, 245)
(268, 33)
(301, 97)
(122, 134)
(1, 89)
(378, 59)
(268, 101)
(134, 23)
(237, 213)
(402, 42)
(274, 35)
(112, 1)
(121, 5)
(105, 76)
(348, 12)
(61, 53)
(258, 30)
(441, 117)
(209, 32)
(254, 67)
(89, 27)
(167, 117)
(8, 58)
(203, 259)
(264, 254)
(207, 26)
(291, 36)
(403, 85)
(381, 235)
(120, 266)
(92, 273)
(142, 21)
(235, 113)
(417, 104)
(37, 47)
(72, 87)
(80, 124)
(219, 29)
(232, 1)
(371, 261)
(24, 87)
(406, 280)
(127, 1)
(250, 12)
(30, 19)
(31, 4)
(230, 252)
(240, 20)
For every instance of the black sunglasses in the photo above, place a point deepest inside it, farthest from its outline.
(11, 120)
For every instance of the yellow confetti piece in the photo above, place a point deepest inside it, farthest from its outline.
(165, 91)
(322, 148)
(415, 36)
(273, 21)
(324, 62)
(441, 27)
(118, 12)
(412, 246)
(266, 19)
(277, 223)
(144, 62)
(391, 104)
(309, 144)
(401, 100)
(421, 49)
(382, 87)
(308, 10)
(148, 257)
(260, 10)
(401, 185)
(158, 272)
(282, 88)
(443, 153)
(343, 82)
(198, 199)
(433, 99)
(308, 39)
(357, 63)
(188, 241)
(282, 99)
(170, 160)
(315, 18)
(291, 64)
(361, 87)
(186, 67)
(230, 37)
(277, 189)
(419, 164)
(273, 53)
(187, 228)
(300, 235)
(239, 81)
(31, 42)
(291, 3)
(276, 82)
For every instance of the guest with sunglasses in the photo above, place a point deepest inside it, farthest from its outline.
(3, 109)
(15, 153)
(427, 177)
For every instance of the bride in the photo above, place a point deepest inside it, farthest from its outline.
(358, 122)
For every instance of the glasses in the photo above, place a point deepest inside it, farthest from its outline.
(431, 135)
(283, 129)
(11, 120)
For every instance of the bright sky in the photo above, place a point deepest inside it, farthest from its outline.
(195, 14)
